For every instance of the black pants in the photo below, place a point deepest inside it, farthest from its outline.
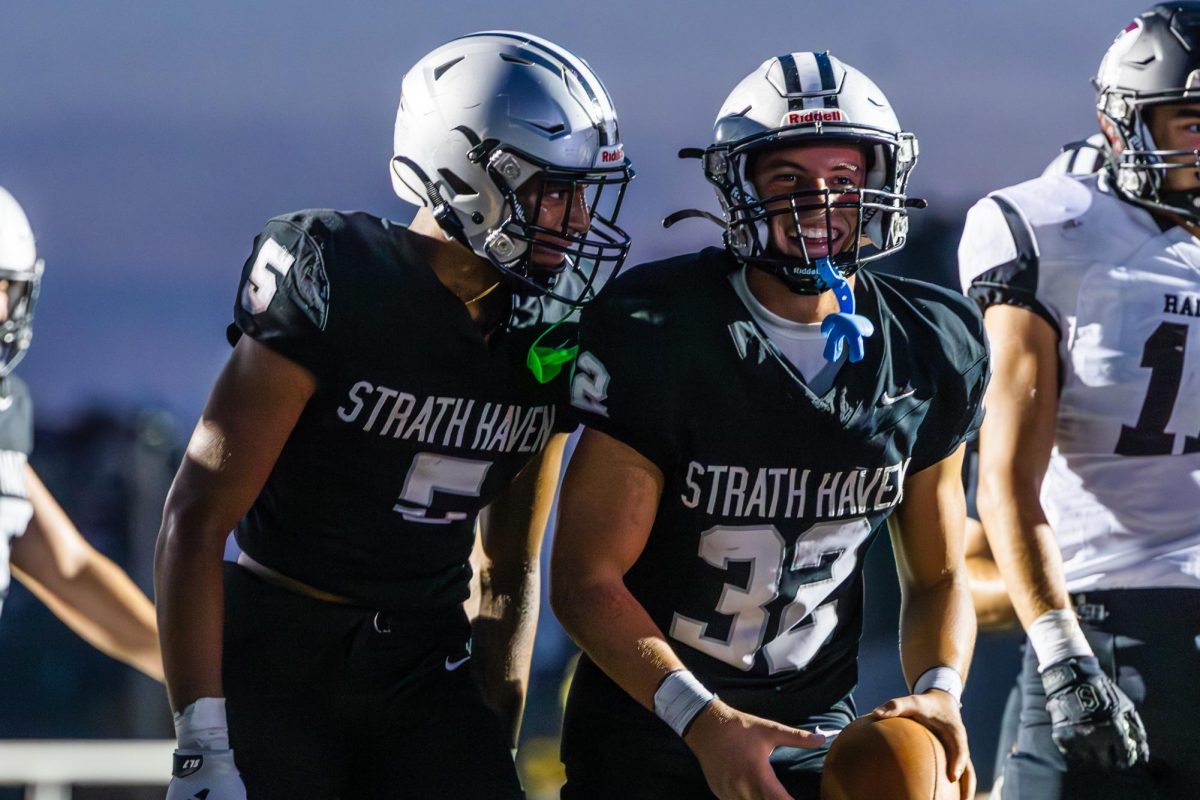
(614, 749)
(1149, 641)
(329, 701)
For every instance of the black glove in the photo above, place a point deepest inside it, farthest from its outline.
(1093, 721)
(207, 774)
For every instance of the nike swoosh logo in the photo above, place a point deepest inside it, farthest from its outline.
(453, 665)
(887, 399)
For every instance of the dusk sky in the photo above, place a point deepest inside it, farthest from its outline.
(149, 141)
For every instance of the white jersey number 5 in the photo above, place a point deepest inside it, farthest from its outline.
(431, 473)
(270, 267)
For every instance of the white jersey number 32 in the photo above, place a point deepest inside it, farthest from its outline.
(821, 560)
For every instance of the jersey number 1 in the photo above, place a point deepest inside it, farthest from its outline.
(1163, 355)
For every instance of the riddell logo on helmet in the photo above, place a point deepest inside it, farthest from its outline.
(612, 156)
(812, 115)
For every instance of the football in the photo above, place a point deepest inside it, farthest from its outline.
(887, 759)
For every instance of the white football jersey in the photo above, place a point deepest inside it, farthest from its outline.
(1122, 491)
(16, 440)
(15, 511)
(1078, 158)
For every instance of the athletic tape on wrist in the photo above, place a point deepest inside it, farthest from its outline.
(1056, 636)
(679, 699)
(943, 678)
(202, 726)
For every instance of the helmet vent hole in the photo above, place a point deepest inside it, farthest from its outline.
(515, 59)
(553, 129)
(456, 184)
(438, 72)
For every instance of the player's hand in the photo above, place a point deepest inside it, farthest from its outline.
(939, 712)
(734, 751)
(1092, 721)
(207, 774)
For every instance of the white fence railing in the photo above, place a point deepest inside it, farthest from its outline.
(49, 768)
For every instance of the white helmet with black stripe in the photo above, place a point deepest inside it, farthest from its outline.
(481, 117)
(21, 269)
(1154, 61)
(804, 97)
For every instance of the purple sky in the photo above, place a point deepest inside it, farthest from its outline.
(148, 143)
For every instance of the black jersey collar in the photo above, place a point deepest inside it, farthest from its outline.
(854, 387)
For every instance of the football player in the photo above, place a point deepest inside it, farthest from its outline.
(44, 550)
(754, 413)
(989, 594)
(1090, 469)
(376, 403)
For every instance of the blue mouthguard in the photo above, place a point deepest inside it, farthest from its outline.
(845, 327)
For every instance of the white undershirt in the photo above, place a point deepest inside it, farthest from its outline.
(801, 343)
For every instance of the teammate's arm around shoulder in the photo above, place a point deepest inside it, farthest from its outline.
(252, 409)
(512, 528)
(83, 588)
(609, 501)
(937, 619)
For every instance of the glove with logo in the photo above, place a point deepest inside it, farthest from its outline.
(203, 766)
(205, 775)
(1093, 721)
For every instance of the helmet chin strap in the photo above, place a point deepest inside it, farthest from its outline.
(844, 328)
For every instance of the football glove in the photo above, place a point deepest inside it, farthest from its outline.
(1092, 721)
(205, 775)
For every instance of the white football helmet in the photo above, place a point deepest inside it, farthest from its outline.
(802, 97)
(481, 116)
(20, 266)
(1154, 60)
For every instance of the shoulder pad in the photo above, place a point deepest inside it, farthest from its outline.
(1050, 199)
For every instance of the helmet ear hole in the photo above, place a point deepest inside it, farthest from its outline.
(406, 184)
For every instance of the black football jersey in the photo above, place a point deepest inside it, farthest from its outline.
(416, 424)
(16, 442)
(772, 493)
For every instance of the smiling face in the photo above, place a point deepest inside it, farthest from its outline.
(810, 167)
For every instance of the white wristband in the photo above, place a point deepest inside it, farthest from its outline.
(680, 699)
(943, 678)
(1056, 636)
(202, 726)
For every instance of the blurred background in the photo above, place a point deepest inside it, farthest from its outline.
(148, 142)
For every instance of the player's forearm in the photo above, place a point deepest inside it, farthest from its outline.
(190, 601)
(503, 635)
(1023, 546)
(105, 608)
(937, 626)
(613, 628)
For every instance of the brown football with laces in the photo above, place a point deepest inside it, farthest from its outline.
(887, 759)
